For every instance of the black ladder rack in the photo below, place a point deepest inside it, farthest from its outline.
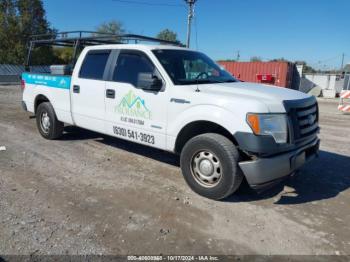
(81, 39)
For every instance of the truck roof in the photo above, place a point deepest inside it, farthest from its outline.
(142, 47)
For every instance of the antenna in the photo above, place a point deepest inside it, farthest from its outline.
(189, 19)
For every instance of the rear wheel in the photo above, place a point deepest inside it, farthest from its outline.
(48, 124)
(209, 163)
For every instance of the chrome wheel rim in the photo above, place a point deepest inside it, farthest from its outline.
(45, 122)
(206, 168)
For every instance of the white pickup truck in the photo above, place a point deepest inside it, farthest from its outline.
(179, 100)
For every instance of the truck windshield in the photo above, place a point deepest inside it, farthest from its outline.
(189, 67)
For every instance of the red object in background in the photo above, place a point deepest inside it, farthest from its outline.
(23, 84)
(275, 73)
(266, 78)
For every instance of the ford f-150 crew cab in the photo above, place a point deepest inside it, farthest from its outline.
(179, 100)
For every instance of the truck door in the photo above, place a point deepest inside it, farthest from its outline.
(131, 112)
(88, 91)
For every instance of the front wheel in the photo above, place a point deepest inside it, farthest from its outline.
(48, 124)
(209, 163)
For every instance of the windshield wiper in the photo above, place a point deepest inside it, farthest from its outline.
(197, 81)
(224, 81)
(205, 81)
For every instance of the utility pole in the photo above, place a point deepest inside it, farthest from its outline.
(189, 19)
(238, 55)
(342, 62)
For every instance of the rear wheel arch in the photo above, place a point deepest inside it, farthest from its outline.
(38, 100)
(198, 128)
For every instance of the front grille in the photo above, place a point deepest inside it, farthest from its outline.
(303, 118)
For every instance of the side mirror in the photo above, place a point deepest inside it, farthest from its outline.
(149, 81)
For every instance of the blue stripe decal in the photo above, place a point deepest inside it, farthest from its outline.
(62, 82)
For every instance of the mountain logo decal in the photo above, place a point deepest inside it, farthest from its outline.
(134, 106)
(63, 82)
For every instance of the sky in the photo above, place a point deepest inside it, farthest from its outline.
(315, 31)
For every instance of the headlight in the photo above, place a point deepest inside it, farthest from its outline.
(274, 125)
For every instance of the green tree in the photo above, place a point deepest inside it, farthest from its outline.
(64, 54)
(9, 32)
(112, 27)
(227, 60)
(255, 59)
(168, 35)
(19, 20)
(306, 68)
(282, 59)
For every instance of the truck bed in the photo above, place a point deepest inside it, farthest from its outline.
(53, 88)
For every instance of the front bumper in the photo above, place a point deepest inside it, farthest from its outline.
(264, 172)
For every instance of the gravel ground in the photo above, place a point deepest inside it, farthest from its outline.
(92, 194)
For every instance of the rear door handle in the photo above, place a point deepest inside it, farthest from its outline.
(76, 89)
(110, 93)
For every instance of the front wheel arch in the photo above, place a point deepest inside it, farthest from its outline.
(198, 128)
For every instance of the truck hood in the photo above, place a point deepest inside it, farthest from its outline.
(271, 96)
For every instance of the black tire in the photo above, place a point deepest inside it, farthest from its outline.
(55, 127)
(221, 150)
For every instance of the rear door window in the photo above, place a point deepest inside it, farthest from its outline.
(94, 64)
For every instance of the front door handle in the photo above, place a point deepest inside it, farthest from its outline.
(76, 89)
(110, 93)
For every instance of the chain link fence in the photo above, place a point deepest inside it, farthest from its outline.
(11, 74)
